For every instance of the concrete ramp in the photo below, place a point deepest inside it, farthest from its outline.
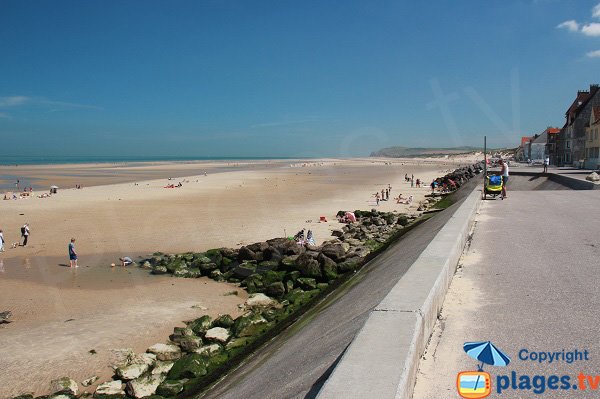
(535, 183)
(532, 181)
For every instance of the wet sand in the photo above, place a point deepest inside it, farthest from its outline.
(114, 308)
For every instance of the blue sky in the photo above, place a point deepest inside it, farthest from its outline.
(287, 78)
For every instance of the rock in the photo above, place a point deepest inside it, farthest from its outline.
(246, 253)
(200, 325)
(272, 254)
(177, 264)
(147, 265)
(593, 177)
(145, 358)
(337, 233)
(334, 251)
(61, 396)
(348, 265)
(248, 325)
(208, 350)
(307, 283)
(198, 306)
(189, 366)
(162, 367)
(159, 269)
(64, 385)
(89, 381)
(190, 344)
(329, 268)
(225, 321)
(110, 388)
(308, 266)
(276, 289)
(289, 261)
(271, 277)
(266, 266)
(145, 385)
(245, 269)
(217, 275)
(218, 334)
(131, 371)
(260, 299)
(170, 388)
(165, 351)
(236, 343)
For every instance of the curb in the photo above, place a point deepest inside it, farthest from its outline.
(383, 359)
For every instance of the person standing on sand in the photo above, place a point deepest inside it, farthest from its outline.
(504, 174)
(377, 198)
(546, 163)
(25, 233)
(1, 241)
(72, 254)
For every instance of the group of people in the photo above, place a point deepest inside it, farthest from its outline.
(385, 194)
(125, 260)
(24, 237)
(301, 239)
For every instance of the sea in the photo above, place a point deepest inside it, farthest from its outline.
(58, 160)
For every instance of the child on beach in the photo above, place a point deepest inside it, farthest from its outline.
(72, 254)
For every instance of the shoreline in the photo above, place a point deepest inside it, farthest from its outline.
(221, 220)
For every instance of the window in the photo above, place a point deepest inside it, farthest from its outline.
(568, 145)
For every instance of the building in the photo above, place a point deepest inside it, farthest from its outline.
(571, 142)
(551, 144)
(592, 142)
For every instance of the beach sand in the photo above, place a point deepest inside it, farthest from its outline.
(113, 308)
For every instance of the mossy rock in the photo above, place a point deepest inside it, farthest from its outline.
(225, 321)
(207, 268)
(266, 266)
(245, 269)
(200, 325)
(403, 220)
(175, 265)
(227, 264)
(26, 396)
(275, 289)
(238, 343)
(215, 256)
(273, 277)
(297, 296)
(307, 283)
(100, 396)
(349, 265)
(289, 262)
(170, 388)
(271, 314)
(159, 269)
(322, 286)
(293, 275)
(329, 269)
(189, 366)
(253, 283)
(289, 285)
(247, 325)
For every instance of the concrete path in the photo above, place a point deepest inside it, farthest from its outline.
(296, 363)
(529, 281)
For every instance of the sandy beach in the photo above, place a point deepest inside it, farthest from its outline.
(60, 314)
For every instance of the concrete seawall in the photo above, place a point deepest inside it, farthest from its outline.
(383, 358)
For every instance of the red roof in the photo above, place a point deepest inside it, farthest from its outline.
(553, 130)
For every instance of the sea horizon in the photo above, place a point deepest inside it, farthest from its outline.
(9, 160)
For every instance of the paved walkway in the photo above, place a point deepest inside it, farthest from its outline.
(530, 280)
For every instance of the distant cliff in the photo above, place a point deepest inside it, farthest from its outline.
(408, 152)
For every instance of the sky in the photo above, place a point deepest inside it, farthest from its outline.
(214, 78)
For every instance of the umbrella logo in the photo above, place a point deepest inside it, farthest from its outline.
(478, 384)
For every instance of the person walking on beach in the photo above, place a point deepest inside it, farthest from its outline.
(72, 254)
(25, 233)
(1, 241)
(377, 198)
(504, 174)
(546, 163)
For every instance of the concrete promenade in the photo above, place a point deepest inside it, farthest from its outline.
(529, 281)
